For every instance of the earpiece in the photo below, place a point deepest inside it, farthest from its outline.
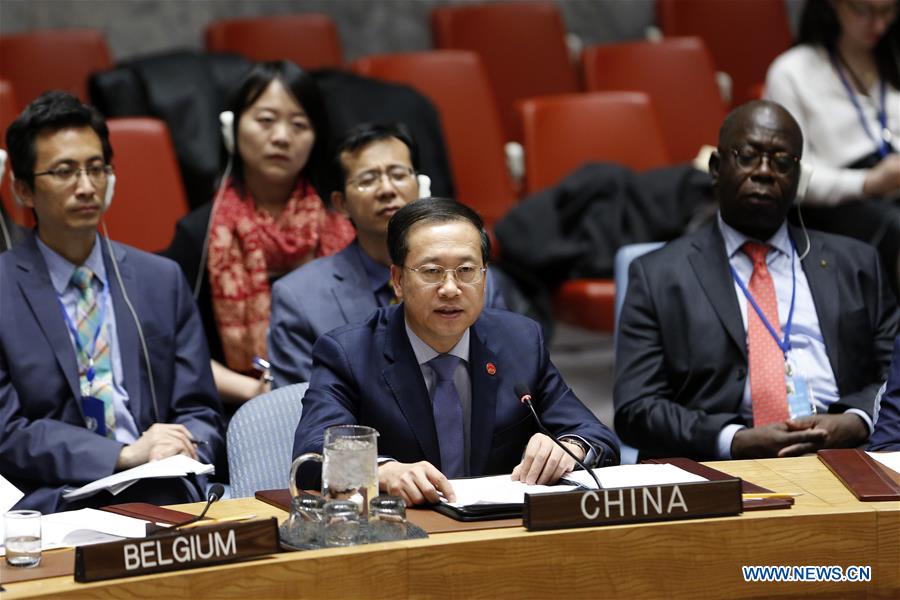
(803, 184)
(12, 188)
(424, 185)
(110, 190)
(7, 240)
(226, 120)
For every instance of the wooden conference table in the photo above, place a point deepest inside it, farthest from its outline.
(696, 559)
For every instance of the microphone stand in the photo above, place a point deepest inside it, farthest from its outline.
(525, 398)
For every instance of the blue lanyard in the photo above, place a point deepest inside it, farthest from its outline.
(881, 144)
(784, 344)
(104, 300)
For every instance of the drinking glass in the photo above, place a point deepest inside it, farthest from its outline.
(304, 527)
(387, 518)
(22, 538)
(341, 523)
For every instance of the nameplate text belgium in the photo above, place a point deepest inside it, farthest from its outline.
(632, 505)
(183, 549)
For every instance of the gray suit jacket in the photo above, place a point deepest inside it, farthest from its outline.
(681, 358)
(322, 295)
(44, 445)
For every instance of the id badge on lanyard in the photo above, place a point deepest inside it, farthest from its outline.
(801, 402)
(93, 408)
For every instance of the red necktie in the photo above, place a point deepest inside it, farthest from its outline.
(767, 386)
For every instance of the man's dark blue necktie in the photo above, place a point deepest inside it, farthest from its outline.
(448, 415)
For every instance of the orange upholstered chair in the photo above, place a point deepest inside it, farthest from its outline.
(563, 132)
(60, 59)
(310, 40)
(522, 45)
(678, 75)
(560, 133)
(456, 83)
(150, 196)
(743, 36)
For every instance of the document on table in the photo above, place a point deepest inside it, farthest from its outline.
(891, 460)
(173, 466)
(633, 476)
(9, 495)
(497, 489)
(86, 526)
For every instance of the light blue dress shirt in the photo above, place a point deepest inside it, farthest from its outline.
(61, 275)
(808, 353)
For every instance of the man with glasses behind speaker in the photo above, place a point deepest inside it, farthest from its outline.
(752, 338)
(103, 362)
(375, 170)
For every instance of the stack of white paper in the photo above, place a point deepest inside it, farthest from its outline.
(499, 489)
(634, 475)
(172, 466)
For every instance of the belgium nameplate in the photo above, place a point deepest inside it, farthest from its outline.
(183, 549)
(632, 505)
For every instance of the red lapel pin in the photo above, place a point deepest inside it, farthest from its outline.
(490, 368)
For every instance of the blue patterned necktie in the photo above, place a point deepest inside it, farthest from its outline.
(448, 415)
(87, 319)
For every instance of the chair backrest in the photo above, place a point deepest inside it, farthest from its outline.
(560, 133)
(150, 196)
(624, 256)
(260, 440)
(622, 262)
(678, 75)
(522, 45)
(456, 83)
(722, 25)
(310, 40)
(61, 59)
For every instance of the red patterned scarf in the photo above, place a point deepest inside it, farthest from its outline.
(247, 246)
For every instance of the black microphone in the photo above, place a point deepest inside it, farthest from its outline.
(216, 491)
(525, 398)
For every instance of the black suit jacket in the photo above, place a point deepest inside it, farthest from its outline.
(681, 359)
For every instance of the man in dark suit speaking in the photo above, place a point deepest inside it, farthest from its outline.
(435, 375)
(103, 363)
(752, 338)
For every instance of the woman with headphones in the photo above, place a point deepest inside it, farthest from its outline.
(266, 220)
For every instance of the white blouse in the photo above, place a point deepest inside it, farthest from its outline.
(804, 81)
